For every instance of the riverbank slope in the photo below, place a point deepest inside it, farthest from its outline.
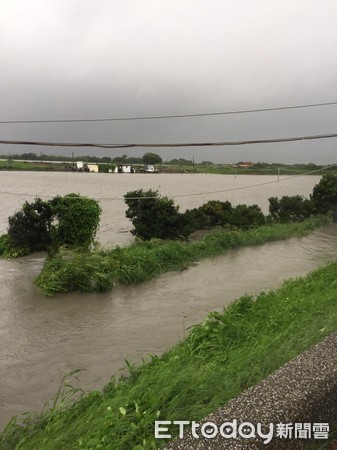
(220, 358)
(101, 270)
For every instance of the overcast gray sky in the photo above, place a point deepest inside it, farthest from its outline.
(69, 59)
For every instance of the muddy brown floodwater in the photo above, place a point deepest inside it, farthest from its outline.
(41, 338)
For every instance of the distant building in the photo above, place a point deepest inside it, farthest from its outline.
(92, 167)
(79, 165)
(244, 164)
(123, 168)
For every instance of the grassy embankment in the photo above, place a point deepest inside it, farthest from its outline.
(221, 169)
(230, 170)
(35, 166)
(101, 270)
(219, 359)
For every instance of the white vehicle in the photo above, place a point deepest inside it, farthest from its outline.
(151, 169)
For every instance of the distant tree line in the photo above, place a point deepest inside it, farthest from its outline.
(147, 158)
(309, 166)
(85, 158)
(150, 158)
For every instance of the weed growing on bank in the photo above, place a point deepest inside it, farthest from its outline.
(220, 358)
(101, 270)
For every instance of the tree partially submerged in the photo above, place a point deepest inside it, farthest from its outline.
(71, 221)
(30, 228)
(76, 220)
(217, 213)
(157, 217)
(290, 209)
(154, 216)
(324, 195)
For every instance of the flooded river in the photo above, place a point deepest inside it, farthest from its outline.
(41, 339)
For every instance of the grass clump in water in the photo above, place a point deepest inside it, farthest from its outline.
(101, 270)
(220, 358)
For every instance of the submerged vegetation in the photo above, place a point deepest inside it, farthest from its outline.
(154, 216)
(66, 227)
(101, 270)
(71, 220)
(220, 358)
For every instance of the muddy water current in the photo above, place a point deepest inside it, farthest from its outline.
(41, 338)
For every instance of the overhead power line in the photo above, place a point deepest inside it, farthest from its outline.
(171, 116)
(160, 145)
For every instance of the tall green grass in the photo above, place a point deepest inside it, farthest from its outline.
(101, 270)
(25, 165)
(219, 359)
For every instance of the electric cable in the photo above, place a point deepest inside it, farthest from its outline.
(172, 116)
(173, 145)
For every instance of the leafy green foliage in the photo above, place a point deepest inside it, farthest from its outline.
(71, 220)
(105, 168)
(217, 213)
(180, 161)
(152, 158)
(196, 219)
(77, 220)
(101, 270)
(4, 243)
(290, 209)
(8, 251)
(154, 216)
(245, 217)
(324, 195)
(30, 228)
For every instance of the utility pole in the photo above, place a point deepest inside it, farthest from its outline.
(278, 174)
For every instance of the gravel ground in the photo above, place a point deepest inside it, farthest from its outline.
(302, 391)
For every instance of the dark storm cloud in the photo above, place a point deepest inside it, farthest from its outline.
(83, 59)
